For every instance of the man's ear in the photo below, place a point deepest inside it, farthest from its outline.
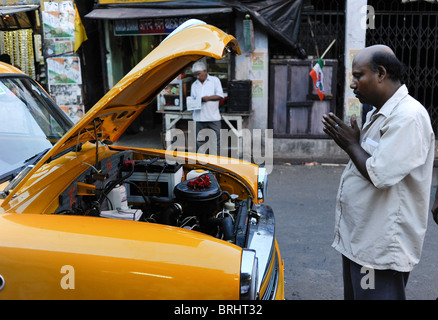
(381, 73)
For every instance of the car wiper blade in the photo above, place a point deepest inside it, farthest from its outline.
(8, 176)
(35, 158)
(16, 180)
(15, 176)
(77, 147)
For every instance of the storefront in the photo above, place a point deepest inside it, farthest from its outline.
(130, 34)
(20, 37)
(122, 32)
(130, 29)
(41, 38)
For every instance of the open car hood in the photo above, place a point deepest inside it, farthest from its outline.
(117, 109)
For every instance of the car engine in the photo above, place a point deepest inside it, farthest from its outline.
(156, 191)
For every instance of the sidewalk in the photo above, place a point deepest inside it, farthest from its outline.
(292, 151)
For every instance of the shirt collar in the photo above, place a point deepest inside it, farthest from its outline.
(390, 104)
(207, 79)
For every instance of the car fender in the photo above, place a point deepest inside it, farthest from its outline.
(74, 257)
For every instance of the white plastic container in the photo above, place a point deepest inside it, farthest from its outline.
(126, 214)
(195, 173)
(118, 197)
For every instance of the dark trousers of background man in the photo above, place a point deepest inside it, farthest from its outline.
(213, 125)
(387, 284)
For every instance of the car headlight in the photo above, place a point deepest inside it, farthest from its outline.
(248, 275)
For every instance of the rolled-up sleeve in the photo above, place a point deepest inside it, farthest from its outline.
(401, 149)
(218, 88)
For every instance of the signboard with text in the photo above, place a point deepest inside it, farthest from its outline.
(147, 26)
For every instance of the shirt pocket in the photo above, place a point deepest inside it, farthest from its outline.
(370, 145)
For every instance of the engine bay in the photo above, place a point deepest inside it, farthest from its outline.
(130, 186)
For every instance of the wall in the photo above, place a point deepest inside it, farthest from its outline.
(325, 150)
(354, 41)
(299, 151)
(247, 69)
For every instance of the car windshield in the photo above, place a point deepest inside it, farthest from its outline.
(29, 123)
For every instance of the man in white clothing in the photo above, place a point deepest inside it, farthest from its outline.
(209, 89)
(383, 197)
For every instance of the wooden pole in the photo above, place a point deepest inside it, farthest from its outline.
(328, 48)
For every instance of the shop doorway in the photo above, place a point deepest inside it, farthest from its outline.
(125, 52)
(127, 46)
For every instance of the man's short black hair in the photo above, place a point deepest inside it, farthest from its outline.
(394, 67)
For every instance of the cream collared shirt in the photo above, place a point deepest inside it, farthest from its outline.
(210, 109)
(382, 224)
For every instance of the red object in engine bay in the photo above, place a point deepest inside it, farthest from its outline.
(202, 181)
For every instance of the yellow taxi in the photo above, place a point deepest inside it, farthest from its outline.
(82, 218)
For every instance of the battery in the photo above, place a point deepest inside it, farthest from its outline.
(159, 184)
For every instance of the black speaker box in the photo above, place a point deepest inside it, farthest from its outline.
(239, 96)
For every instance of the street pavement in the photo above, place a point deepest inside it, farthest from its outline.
(303, 200)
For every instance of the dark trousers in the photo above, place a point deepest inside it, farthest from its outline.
(213, 125)
(362, 283)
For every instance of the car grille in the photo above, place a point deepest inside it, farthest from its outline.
(271, 289)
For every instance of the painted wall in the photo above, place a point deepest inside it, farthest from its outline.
(354, 41)
(254, 66)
